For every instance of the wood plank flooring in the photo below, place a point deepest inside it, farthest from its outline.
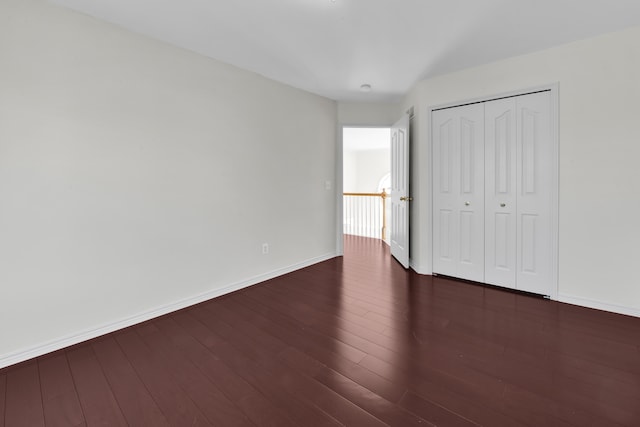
(354, 341)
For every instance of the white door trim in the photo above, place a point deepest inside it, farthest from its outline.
(553, 88)
(339, 188)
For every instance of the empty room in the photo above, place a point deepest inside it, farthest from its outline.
(178, 227)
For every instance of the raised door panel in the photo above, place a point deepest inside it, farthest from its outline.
(534, 194)
(500, 192)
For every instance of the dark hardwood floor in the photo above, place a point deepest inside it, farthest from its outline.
(354, 341)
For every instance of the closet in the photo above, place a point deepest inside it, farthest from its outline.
(494, 184)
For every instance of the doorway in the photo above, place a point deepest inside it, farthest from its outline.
(366, 171)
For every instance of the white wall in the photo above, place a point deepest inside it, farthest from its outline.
(368, 113)
(363, 169)
(599, 100)
(136, 177)
(349, 171)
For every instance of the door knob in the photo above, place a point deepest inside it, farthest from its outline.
(502, 205)
(467, 203)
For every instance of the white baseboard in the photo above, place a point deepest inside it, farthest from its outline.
(418, 269)
(598, 305)
(66, 341)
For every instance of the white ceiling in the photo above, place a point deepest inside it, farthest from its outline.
(332, 47)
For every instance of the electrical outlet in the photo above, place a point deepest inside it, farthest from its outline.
(265, 248)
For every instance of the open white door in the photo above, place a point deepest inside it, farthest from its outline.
(400, 191)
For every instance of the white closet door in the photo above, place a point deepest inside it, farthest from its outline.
(500, 192)
(458, 191)
(535, 199)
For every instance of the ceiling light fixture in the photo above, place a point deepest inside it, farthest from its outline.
(365, 88)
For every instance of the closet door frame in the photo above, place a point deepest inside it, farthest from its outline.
(553, 89)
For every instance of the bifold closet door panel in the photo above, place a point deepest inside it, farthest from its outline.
(445, 151)
(500, 192)
(535, 154)
(458, 191)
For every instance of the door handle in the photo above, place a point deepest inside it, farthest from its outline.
(502, 205)
(467, 203)
(406, 199)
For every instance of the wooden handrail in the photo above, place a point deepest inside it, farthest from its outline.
(383, 194)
